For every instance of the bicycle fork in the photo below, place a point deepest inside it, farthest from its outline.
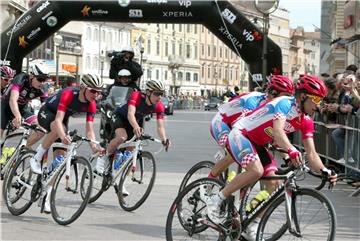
(291, 213)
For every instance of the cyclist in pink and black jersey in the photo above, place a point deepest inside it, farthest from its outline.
(128, 119)
(270, 122)
(7, 75)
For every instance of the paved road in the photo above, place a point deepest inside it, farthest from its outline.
(105, 220)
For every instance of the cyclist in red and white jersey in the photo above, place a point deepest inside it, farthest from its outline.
(271, 122)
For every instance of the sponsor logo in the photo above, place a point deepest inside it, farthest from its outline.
(259, 113)
(135, 13)
(177, 14)
(251, 36)
(241, 154)
(19, 25)
(51, 21)
(33, 33)
(228, 15)
(46, 15)
(22, 42)
(32, 95)
(232, 38)
(5, 62)
(124, 3)
(43, 6)
(257, 77)
(100, 12)
(269, 131)
(85, 11)
(185, 3)
(43, 114)
(157, 1)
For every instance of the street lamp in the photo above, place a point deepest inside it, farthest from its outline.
(266, 7)
(78, 52)
(57, 41)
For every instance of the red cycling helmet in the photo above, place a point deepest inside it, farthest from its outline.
(7, 72)
(282, 84)
(312, 85)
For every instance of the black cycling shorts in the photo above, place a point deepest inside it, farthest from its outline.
(117, 121)
(6, 114)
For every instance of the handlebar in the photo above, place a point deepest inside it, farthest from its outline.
(75, 138)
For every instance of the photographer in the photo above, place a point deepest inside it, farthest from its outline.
(124, 60)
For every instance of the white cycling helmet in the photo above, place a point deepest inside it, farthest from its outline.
(39, 70)
(127, 49)
(124, 72)
(92, 81)
(156, 85)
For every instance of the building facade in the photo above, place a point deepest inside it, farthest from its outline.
(352, 32)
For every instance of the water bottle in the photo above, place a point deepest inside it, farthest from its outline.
(118, 160)
(231, 176)
(56, 162)
(259, 198)
(127, 155)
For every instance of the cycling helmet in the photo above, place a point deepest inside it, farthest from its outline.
(281, 84)
(156, 85)
(92, 81)
(7, 72)
(39, 71)
(124, 72)
(312, 85)
(128, 49)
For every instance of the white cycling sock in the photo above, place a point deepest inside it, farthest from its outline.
(222, 197)
(40, 151)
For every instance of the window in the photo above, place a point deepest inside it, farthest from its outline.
(87, 62)
(195, 78)
(226, 53)
(188, 76)
(180, 76)
(209, 72)
(157, 74)
(88, 33)
(96, 35)
(195, 52)
(231, 74)
(202, 49)
(173, 48)
(312, 55)
(166, 48)
(202, 71)
(95, 63)
(188, 28)
(157, 47)
(149, 46)
(209, 50)
(202, 29)
(220, 73)
(166, 26)
(180, 49)
(188, 51)
(180, 27)
(220, 52)
(214, 52)
(165, 75)
(173, 26)
(148, 74)
(103, 35)
(195, 29)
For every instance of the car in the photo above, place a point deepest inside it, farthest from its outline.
(212, 104)
(169, 105)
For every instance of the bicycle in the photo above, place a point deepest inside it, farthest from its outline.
(72, 177)
(19, 147)
(190, 207)
(137, 173)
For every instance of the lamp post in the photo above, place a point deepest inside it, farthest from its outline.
(57, 41)
(266, 7)
(78, 52)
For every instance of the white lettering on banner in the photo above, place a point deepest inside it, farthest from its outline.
(257, 77)
(233, 39)
(157, 1)
(185, 3)
(19, 25)
(228, 15)
(135, 13)
(46, 15)
(33, 33)
(99, 12)
(43, 6)
(177, 14)
(248, 35)
(5, 62)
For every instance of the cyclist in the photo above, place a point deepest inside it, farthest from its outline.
(124, 79)
(128, 119)
(14, 102)
(238, 107)
(271, 122)
(54, 117)
(7, 74)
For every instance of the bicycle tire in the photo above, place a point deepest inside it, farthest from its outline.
(124, 200)
(11, 183)
(96, 191)
(83, 199)
(7, 171)
(324, 202)
(177, 208)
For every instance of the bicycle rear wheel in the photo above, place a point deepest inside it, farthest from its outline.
(187, 218)
(313, 216)
(19, 185)
(138, 182)
(71, 195)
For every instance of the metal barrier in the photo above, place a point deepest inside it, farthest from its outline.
(189, 104)
(326, 146)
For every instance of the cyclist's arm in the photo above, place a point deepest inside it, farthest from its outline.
(131, 117)
(161, 129)
(280, 137)
(58, 124)
(314, 159)
(14, 96)
(90, 134)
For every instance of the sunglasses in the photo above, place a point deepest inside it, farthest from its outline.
(157, 94)
(315, 99)
(42, 80)
(5, 79)
(92, 91)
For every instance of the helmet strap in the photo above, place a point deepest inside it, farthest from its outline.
(148, 96)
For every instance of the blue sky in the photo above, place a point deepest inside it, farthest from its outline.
(303, 13)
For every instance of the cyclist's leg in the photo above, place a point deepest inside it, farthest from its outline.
(31, 118)
(6, 116)
(120, 137)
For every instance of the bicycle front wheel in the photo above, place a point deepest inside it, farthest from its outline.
(137, 181)
(313, 218)
(97, 186)
(71, 194)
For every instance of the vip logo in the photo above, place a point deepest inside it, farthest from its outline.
(135, 13)
(251, 36)
(43, 6)
(185, 3)
(228, 15)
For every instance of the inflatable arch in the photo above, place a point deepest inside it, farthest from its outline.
(220, 17)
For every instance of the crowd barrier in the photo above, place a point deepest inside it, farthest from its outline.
(189, 104)
(327, 148)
